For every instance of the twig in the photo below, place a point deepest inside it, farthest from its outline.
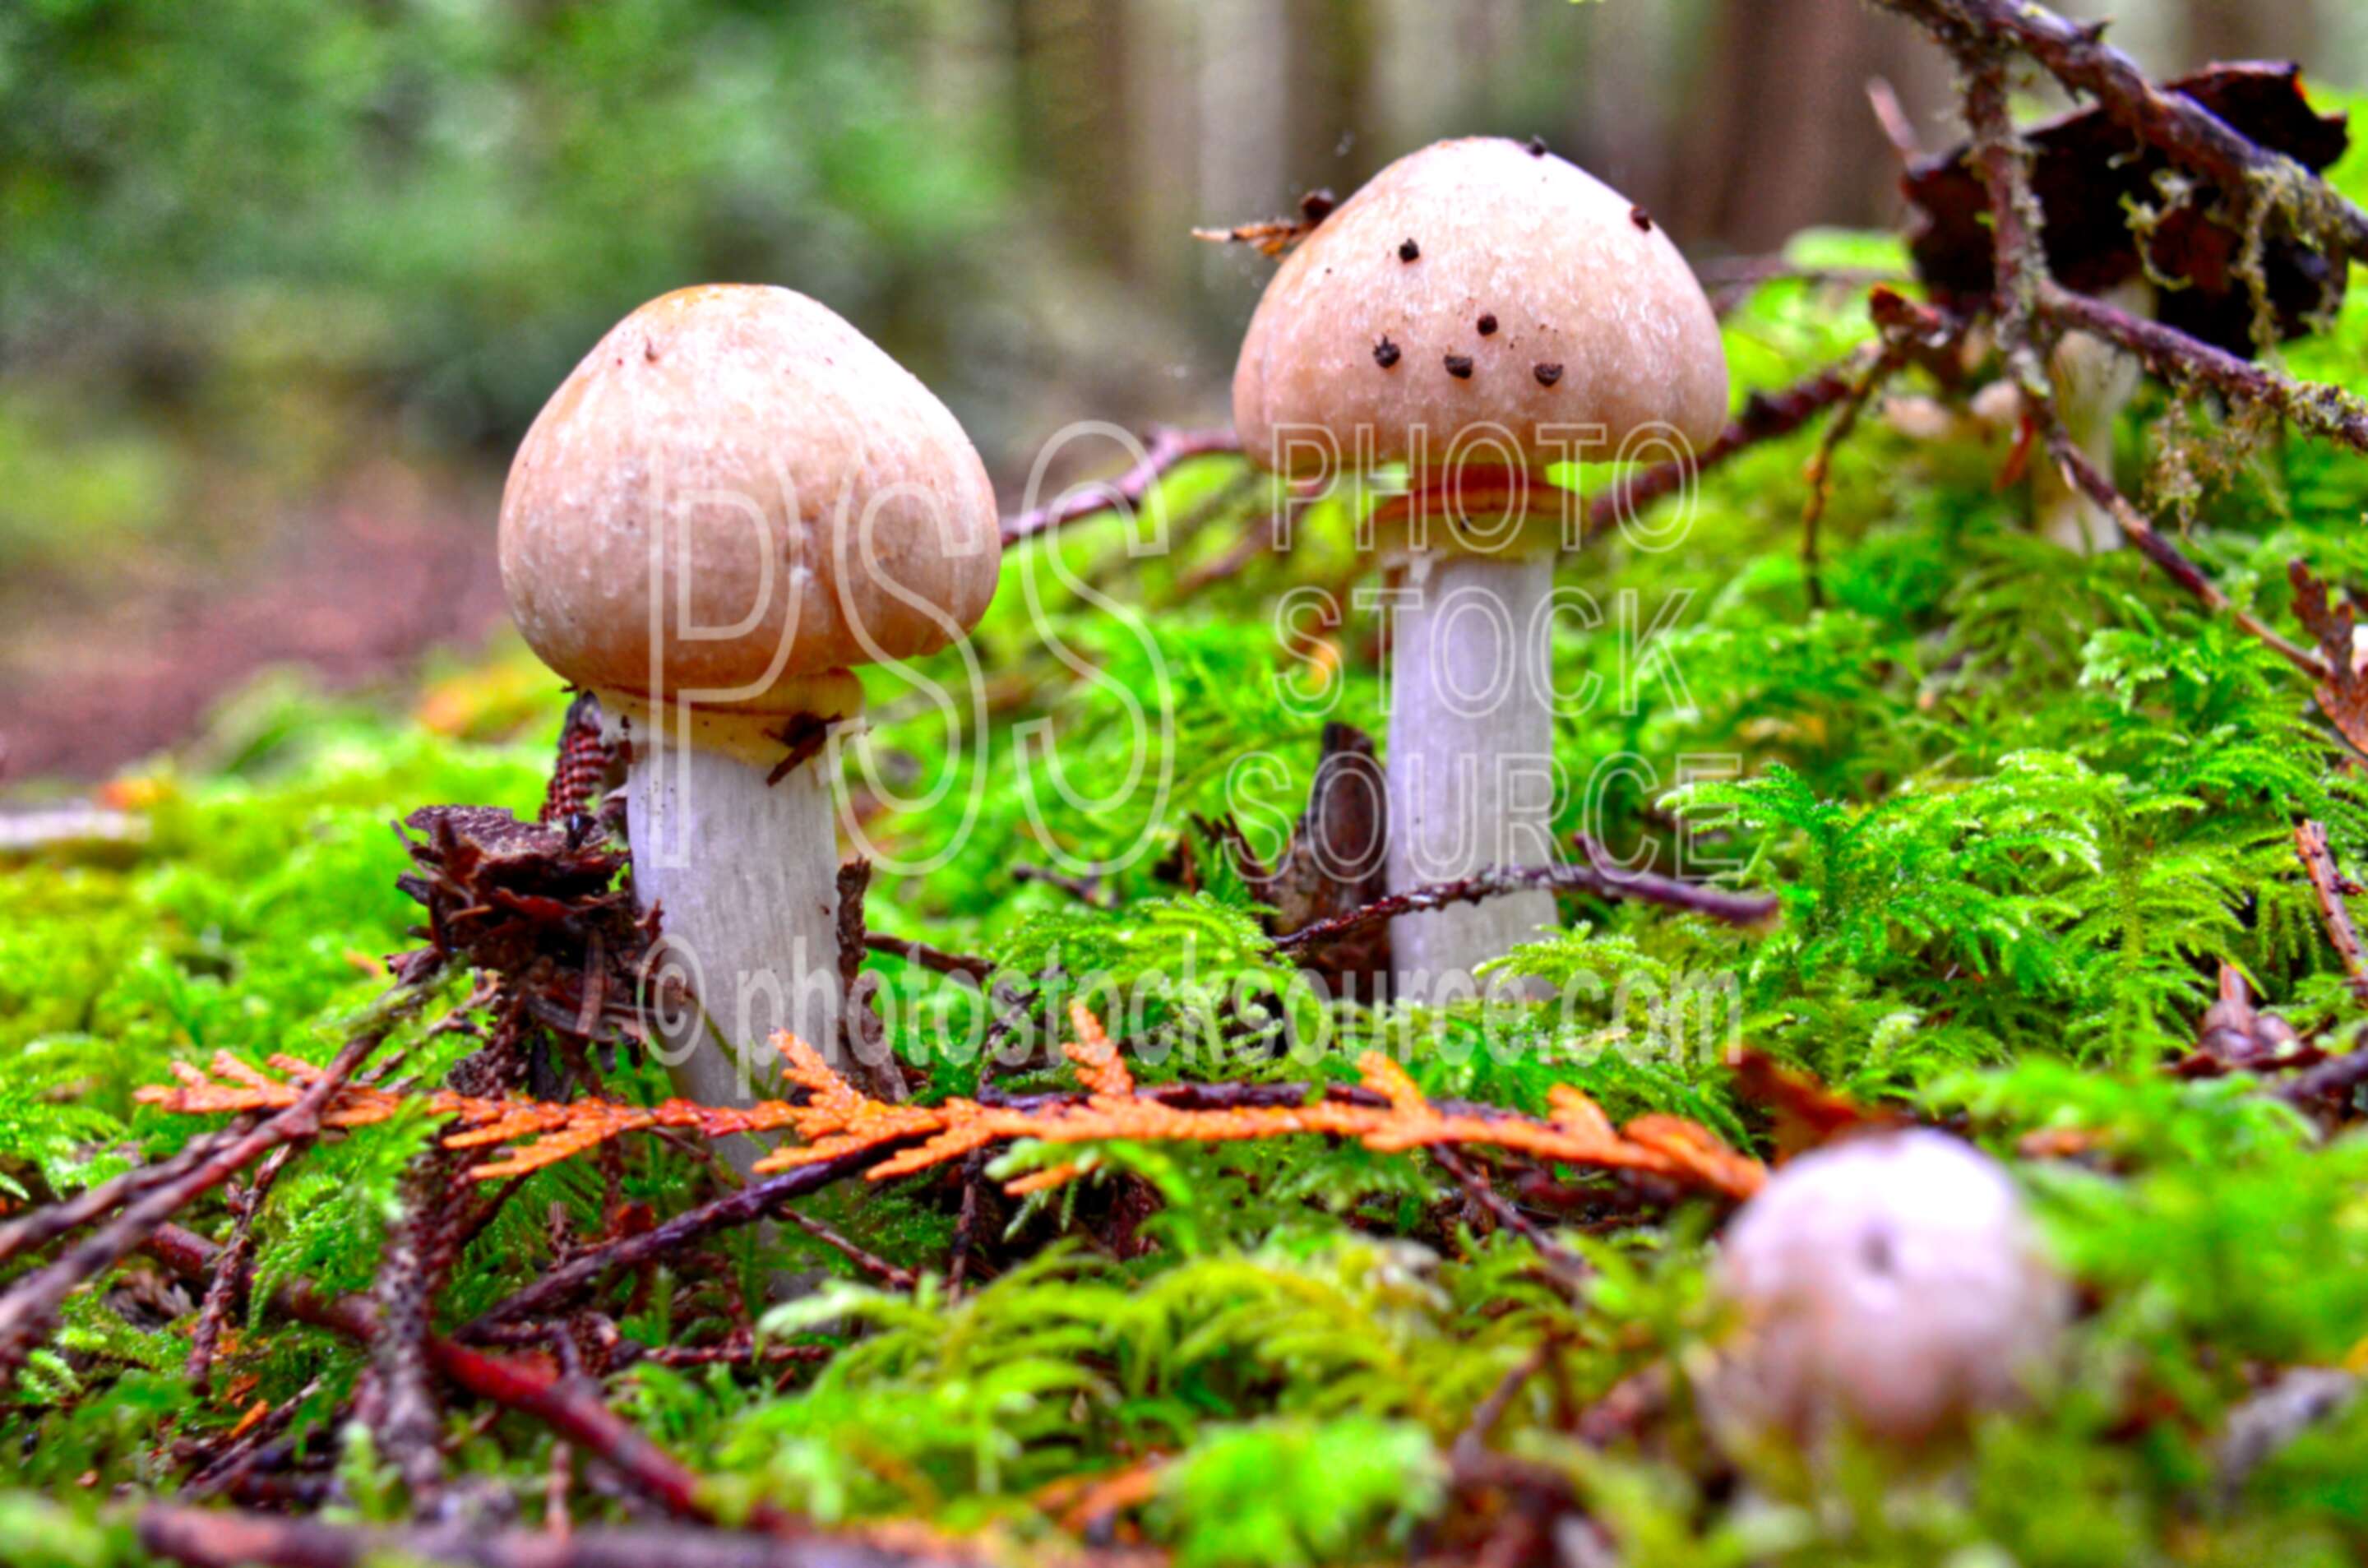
(568, 1408)
(203, 1539)
(1471, 1443)
(2020, 281)
(2182, 129)
(2003, 160)
(2334, 1079)
(756, 1201)
(2135, 527)
(28, 1312)
(1764, 417)
(1732, 908)
(226, 1468)
(1169, 447)
(878, 1267)
(966, 1222)
(229, 1273)
(2318, 865)
(928, 957)
(1882, 365)
(410, 1422)
(2325, 411)
(1566, 1267)
(50, 1222)
(1083, 889)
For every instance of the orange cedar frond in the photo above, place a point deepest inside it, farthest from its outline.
(837, 1120)
(1099, 1067)
(1044, 1180)
(1575, 1112)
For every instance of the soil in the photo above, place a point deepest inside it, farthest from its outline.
(98, 672)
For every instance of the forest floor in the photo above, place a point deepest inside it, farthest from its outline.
(352, 586)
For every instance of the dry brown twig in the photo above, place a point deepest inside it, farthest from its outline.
(2323, 411)
(2190, 135)
(29, 1311)
(570, 1408)
(2327, 886)
(2026, 304)
(1168, 449)
(2342, 684)
(206, 1539)
(229, 1273)
(1882, 362)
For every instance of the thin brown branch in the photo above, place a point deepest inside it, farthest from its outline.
(2022, 282)
(1882, 365)
(1084, 890)
(2187, 132)
(872, 1263)
(409, 1425)
(759, 1200)
(569, 1408)
(29, 1311)
(935, 958)
(2018, 266)
(1568, 1267)
(1471, 1443)
(2093, 482)
(1595, 877)
(251, 1450)
(200, 1538)
(43, 1225)
(1168, 449)
(2319, 410)
(229, 1286)
(1764, 417)
(2327, 887)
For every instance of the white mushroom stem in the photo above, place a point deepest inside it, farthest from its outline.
(2094, 381)
(1471, 759)
(746, 876)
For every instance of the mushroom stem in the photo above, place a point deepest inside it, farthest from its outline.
(2094, 381)
(1471, 761)
(745, 878)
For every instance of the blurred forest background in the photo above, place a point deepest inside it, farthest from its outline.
(282, 282)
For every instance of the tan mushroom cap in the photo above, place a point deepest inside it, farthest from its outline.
(823, 509)
(1597, 320)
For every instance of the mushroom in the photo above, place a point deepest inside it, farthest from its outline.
(731, 502)
(1477, 311)
(1891, 1283)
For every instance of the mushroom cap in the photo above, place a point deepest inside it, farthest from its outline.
(735, 498)
(1597, 319)
(1891, 1281)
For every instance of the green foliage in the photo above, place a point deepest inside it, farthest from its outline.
(1284, 1494)
(2020, 807)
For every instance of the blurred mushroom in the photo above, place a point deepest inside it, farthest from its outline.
(735, 499)
(1891, 1283)
(1478, 311)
